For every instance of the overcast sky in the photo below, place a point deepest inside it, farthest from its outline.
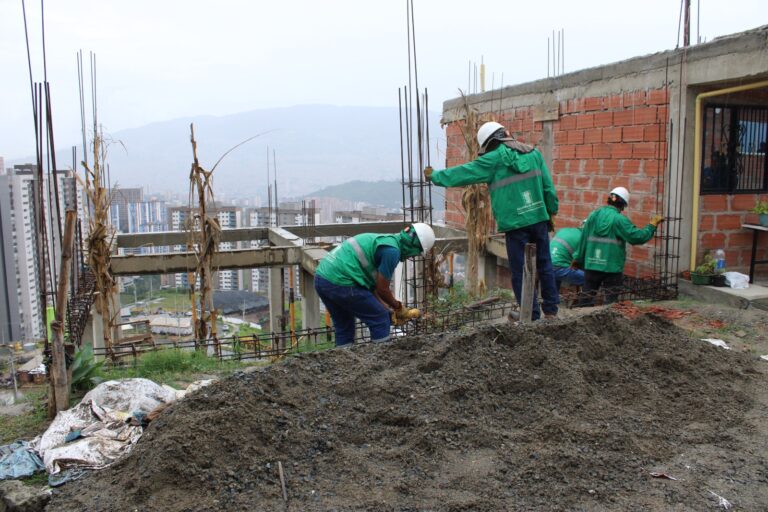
(165, 59)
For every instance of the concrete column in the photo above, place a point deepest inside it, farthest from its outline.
(487, 270)
(275, 298)
(310, 302)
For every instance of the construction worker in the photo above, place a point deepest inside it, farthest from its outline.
(523, 200)
(353, 279)
(602, 251)
(562, 247)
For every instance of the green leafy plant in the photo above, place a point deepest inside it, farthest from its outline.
(85, 369)
(708, 267)
(761, 208)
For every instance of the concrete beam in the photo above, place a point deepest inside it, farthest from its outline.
(186, 261)
(165, 238)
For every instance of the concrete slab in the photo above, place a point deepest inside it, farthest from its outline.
(742, 299)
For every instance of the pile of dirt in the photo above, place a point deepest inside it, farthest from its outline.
(571, 415)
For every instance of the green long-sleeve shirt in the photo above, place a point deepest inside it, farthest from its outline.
(603, 240)
(521, 188)
(563, 246)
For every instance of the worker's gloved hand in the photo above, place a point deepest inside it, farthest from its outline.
(428, 172)
(574, 265)
(656, 220)
(551, 224)
(402, 315)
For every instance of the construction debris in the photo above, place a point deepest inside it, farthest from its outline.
(561, 416)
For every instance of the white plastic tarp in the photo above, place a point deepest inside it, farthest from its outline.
(101, 420)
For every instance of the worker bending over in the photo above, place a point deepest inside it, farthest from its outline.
(602, 252)
(353, 279)
(523, 200)
(562, 247)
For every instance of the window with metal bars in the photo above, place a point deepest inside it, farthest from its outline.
(734, 149)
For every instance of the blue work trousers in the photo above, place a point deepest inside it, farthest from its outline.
(569, 276)
(516, 239)
(345, 303)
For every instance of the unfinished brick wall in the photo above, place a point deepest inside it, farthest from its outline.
(720, 228)
(598, 143)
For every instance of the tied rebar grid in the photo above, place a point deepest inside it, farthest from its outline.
(278, 344)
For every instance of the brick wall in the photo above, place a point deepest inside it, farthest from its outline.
(720, 228)
(598, 143)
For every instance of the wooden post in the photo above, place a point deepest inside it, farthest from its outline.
(59, 381)
(529, 284)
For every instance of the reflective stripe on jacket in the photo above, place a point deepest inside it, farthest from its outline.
(564, 245)
(352, 262)
(603, 240)
(521, 188)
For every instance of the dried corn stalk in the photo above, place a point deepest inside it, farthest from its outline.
(100, 238)
(476, 202)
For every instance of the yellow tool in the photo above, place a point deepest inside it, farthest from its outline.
(404, 314)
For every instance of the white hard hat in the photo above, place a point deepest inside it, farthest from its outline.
(485, 132)
(622, 193)
(425, 235)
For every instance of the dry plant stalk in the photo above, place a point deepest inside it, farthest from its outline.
(204, 237)
(100, 238)
(476, 201)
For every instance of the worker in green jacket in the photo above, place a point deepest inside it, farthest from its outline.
(523, 200)
(602, 251)
(353, 280)
(562, 247)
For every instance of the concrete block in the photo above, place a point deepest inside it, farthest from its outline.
(17, 497)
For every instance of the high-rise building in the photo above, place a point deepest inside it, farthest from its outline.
(120, 198)
(20, 211)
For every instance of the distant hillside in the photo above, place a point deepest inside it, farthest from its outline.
(315, 146)
(388, 194)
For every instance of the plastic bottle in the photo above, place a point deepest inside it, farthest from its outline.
(720, 259)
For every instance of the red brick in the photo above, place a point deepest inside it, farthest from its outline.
(591, 166)
(593, 136)
(565, 152)
(644, 150)
(593, 104)
(582, 182)
(515, 125)
(615, 101)
(559, 166)
(624, 118)
(561, 137)
(630, 268)
(602, 183)
(630, 167)
(590, 197)
(717, 203)
(740, 239)
(713, 240)
(634, 98)
(632, 134)
(585, 121)
(657, 97)
(728, 221)
(527, 125)
(662, 116)
(621, 150)
(566, 181)
(610, 167)
(584, 151)
(602, 119)
(565, 211)
(601, 151)
(743, 202)
(612, 134)
(641, 185)
(569, 195)
(651, 166)
(707, 223)
(576, 137)
(567, 123)
(538, 126)
(654, 132)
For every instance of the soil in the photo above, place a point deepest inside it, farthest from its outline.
(571, 415)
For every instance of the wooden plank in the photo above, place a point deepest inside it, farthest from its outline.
(529, 284)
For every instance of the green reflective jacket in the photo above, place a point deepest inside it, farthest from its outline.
(521, 187)
(563, 245)
(351, 263)
(604, 238)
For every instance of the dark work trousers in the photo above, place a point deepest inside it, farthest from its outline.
(516, 239)
(594, 280)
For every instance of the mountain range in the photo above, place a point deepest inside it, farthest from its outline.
(315, 146)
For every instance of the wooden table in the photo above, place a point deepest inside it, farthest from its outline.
(756, 229)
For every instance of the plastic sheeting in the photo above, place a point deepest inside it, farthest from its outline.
(102, 418)
(17, 460)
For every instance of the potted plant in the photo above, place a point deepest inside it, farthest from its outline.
(704, 272)
(761, 209)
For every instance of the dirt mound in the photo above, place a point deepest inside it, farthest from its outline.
(566, 416)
